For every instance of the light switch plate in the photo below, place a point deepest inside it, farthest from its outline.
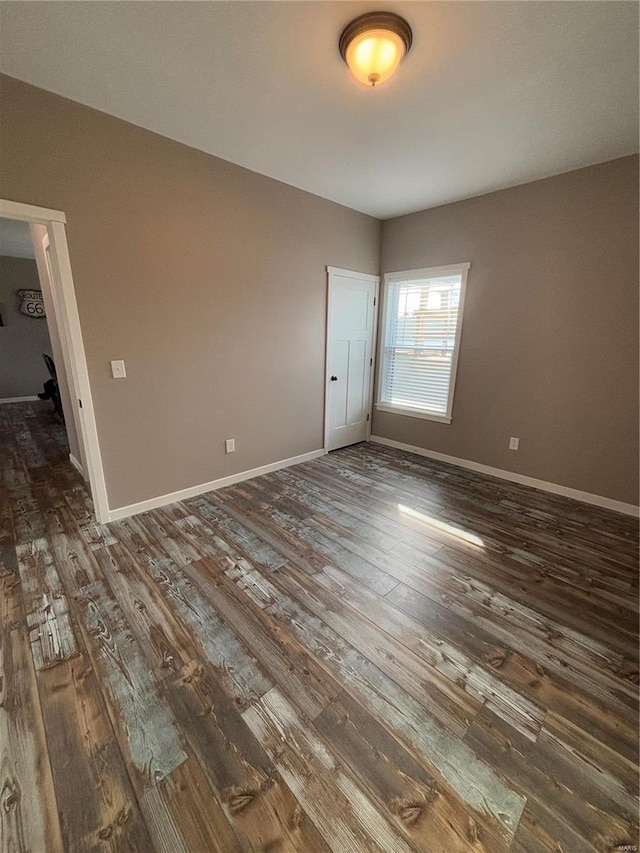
(118, 370)
(230, 445)
(514, 443)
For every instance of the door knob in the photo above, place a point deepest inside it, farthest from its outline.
(334, 378)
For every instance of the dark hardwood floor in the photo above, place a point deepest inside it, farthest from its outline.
(370, 651)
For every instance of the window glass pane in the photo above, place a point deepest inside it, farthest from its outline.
(434, 300)
(420, 335)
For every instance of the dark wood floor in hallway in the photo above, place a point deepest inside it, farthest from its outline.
(367, 652)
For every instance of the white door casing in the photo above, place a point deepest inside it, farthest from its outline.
(351, 324)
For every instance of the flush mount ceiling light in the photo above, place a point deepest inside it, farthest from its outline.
(374, 44)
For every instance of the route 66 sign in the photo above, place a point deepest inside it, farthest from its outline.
(32, 303)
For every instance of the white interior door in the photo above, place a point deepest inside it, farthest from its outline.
(67, 380)
(350, 350)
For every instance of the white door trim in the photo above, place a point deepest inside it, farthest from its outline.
(30, 213)
(362, 276)
(71, 341)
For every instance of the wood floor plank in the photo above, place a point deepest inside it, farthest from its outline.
(422, 806)
(542, 831)
(583, 662)
(28, 520)
(331, 499)
(576, 644)
(167, 647)
(604, 765)
(145, 727)
(567, 756)
(8, 558)
(80, 504)
(51, 631)
(444, 698)
(170, 537)
(573, 689)
(346, 517)
(241, 674)
(12, 612)
(260, 807)
(204, 538)
(184, 816)
(557, 789)
(96, 535)
(289, 665)
(332, 549)
(549, 590)
(237, 534)
(376, 500)
(28, 814)
(281, 539)
(339, 808)
(14, 474)
(477, 678)
(96, 803)
(388, 563)
(74, 558)
(474, 781)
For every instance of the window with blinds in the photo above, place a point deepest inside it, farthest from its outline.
(423, 318)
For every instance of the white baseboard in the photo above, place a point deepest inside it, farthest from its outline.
(194, 491)
(17, 399)
(76, 465)
(543, 485)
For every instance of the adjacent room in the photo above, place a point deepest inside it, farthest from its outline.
(319, 519)
(33, 378)
(25, 334)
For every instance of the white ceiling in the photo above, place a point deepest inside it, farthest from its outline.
(15, 239)
(491, 95)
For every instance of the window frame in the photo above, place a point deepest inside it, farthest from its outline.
(410, 275)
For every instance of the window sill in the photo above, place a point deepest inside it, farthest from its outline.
(413, 413)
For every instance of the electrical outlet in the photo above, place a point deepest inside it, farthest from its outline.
(118, 370)
(514, 443)
(230, 445)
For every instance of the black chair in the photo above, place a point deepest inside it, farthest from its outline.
(53, 389)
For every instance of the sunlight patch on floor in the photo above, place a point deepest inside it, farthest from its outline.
(443, 526)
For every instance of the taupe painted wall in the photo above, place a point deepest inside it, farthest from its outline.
(22, 339)
(549, 347)
(207, 279)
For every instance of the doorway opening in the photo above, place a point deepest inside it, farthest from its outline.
(38, 435)
(50, 300)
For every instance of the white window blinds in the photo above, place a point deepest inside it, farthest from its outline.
(421, 339)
